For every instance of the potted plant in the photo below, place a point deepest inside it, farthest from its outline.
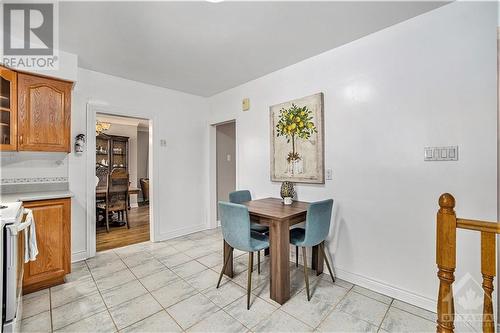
(287, 192)
(295, 123)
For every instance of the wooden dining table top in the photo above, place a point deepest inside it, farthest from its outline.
(102, 190)
(273, 208)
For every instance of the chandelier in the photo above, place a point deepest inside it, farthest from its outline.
(101, 126)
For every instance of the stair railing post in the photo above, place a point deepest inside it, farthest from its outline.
(488, 270)
(446, 237)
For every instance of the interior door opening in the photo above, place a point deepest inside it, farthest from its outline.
(122, 178)
(225, 160)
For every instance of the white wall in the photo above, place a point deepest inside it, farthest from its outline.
(429, 81)
(179, 119)
(33, 165)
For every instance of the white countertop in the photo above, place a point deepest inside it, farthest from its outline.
(35, 196)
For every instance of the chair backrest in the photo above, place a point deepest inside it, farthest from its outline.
(101, 172)
(118, 184)
(240, 196)
(145, 188)
(318, 222)
(235, 222)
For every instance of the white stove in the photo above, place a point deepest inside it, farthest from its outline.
(12, 263)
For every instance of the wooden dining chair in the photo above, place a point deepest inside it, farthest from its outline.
(316, 230)
(117, 195)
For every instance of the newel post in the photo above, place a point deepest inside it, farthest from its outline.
(446, 261)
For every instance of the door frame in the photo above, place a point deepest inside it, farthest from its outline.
(212, 209)
(92, 110)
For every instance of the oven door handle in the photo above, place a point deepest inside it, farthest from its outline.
(15, 229)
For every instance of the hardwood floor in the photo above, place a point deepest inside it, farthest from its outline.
(121, 236)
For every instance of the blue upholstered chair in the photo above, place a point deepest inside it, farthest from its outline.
(242, 196)
(235, 222)
(317, 227)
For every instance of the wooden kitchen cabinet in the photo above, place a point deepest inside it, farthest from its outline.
(44, 114)
(8, 109)
(53, 231)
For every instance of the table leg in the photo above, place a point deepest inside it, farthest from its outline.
(280, 257)
(228, 251)
(317, 259)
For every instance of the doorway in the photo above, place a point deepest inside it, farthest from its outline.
(225, 139)
(122, 155)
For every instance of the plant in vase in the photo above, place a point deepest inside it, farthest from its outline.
(287, 192)
(295, 123)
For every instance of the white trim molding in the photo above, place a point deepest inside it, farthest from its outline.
(92, 110)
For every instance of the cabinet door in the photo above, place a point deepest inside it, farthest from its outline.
(8, 109)
(52, 221)
(44, 109)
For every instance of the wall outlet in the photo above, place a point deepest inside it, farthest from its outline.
(329, 174)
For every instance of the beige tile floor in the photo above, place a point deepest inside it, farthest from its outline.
(170, 287)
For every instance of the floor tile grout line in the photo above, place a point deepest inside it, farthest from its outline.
(102, 298)
(373, 298)
(50, 310)
(161, 305)
(129, 301)
(80, 298)
(413, 313)
(385, 315)
(334, 307)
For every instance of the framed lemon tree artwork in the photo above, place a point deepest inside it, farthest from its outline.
(297, 148)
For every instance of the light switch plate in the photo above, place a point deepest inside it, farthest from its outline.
(449, 153)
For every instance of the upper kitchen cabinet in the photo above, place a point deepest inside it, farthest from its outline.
(8, 109)
(44, 114)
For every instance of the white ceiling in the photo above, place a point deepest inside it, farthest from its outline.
(204, 48)
(129, 121)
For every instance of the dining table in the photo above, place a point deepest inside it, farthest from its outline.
(100, 193)
(279, 218)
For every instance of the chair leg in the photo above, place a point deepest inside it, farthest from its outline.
(322, 247)
(126, 218)
(306, 276)
(249, 283)
(296, 256)
(107, 220)
(223, 269)
(258, 262)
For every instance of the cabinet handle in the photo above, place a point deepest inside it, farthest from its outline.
(21, 139)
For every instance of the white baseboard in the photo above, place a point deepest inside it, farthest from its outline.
(79, 256)
(386, 289)
(181, 232)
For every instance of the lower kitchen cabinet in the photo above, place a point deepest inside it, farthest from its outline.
(53, 231)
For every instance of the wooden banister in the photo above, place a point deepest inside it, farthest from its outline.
(446, 235)
(477, 225)
(446, 262)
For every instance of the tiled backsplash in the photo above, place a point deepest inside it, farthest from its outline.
(34, 180)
